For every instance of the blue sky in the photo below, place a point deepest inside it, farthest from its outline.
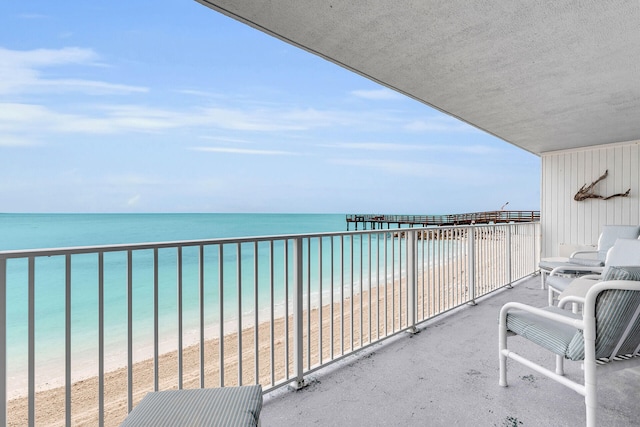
(171, 107)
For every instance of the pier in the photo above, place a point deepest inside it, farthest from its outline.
(377, 221)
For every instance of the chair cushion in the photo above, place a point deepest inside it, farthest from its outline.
(559, 282)
(549, 334)
(586, 262)
(624, 252)
(622, 273)
(226, 406)
(610, 233)
(614, 310)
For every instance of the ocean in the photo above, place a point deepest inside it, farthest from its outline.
(38, 231)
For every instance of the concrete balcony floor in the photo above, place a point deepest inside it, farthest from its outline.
(448, 375)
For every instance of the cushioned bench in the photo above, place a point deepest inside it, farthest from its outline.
(225, 406)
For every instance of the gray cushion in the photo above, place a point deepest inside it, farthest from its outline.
(614, 311)
(622, 273)
(226, 406)
(586, 262)
(549, 334)
(624, 252)
(559, 282)
(612, 232)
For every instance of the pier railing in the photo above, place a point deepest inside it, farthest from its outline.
(495, 217)
(87, 332)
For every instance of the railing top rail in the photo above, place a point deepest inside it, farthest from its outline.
(24, 253)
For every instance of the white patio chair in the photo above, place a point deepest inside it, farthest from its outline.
(584, 262)
(605, 338)
(624, 252)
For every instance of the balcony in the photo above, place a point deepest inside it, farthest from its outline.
(330, 312)
(447, 374)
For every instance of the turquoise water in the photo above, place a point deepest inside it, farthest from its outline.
(37, 231)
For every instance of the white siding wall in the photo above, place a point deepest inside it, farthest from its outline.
(566, 221)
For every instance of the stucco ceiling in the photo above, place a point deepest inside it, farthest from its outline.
(544, 75)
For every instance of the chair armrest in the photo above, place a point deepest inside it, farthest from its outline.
(570, 299)
(567, 320)
(573, 254)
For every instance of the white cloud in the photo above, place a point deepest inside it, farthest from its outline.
(129, 180)
(15, 141)
(377, 146)
(20, 118)
(20, 72)
(417, 169)
(22, 122)
(224, 139)
(230, 150)
(200, 93)
(426, 146)
(377, 94)
(441, 123)
(133, 200)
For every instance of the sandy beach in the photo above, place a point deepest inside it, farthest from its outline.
(440, 286)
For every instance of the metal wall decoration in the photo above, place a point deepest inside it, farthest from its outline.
(587, 192)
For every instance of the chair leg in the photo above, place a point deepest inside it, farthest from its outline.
(559, 365)
(575, 308)
(502, 345)
(590, 377)
(542, 278)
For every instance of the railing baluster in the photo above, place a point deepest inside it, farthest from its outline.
(129, 331)
(471, 266)
(239, 315)
(3, 342)
(342, 293)
(32, 345)
(369, 287)
(351, 243)
(256, 324)
(201, 301)
(331, 298)
(221, 312)
(67, 339)
(402, 240)
(308, 265)
(100, 339)
(508, 245)
(271, 323)
(386, 286)
(320, 306)
(156, 333)
(393, 283)
(286, 310)
(179, 286)
(378, 286)
(422, 266)
(361, 289)
(298, 308)
(412, 265)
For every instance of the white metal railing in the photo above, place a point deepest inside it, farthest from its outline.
(214, 313)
